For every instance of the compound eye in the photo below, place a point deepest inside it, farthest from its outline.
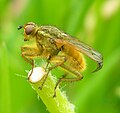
(29, 29)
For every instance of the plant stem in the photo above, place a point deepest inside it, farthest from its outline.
(58, 104)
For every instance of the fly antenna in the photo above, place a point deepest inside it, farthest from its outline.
(19, 27)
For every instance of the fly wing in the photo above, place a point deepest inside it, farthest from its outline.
(88, 51)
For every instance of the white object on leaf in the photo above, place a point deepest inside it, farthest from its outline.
(37, 74)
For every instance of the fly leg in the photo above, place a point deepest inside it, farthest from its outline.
(30, 61)
(28, 53)
(58, 82)
(45, 76)
(59, 59)
(75, 73)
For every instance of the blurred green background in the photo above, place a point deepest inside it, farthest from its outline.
(96, 22)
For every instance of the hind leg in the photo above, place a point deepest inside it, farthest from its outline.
(77, 74)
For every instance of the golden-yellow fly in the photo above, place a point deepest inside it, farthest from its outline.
(59, 49)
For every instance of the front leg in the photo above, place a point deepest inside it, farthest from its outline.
(28, 53)
(30, 61)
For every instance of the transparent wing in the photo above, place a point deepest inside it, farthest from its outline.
(87, 50)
